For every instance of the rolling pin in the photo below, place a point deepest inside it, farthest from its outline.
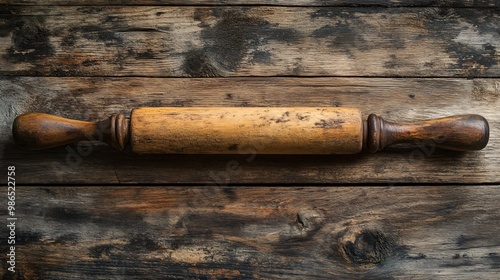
(224, 130)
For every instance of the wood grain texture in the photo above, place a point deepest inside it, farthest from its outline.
(393, 99)
(341, 228)
(39, 131)
(222, 130)
(175, 41)
(457, 133)
(417, 232)
(385, 3)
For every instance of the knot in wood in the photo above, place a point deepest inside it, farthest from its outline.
(366, 247)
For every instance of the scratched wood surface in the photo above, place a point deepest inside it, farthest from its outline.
(397, 99)
(89, 212)
(383, 3)
(263, 232)
(249, 41)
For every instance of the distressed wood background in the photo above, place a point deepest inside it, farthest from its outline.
(89, 212)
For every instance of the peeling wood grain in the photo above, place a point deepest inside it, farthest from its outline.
(107, 232)
(384, 3)
(248, 41)
(396, 99)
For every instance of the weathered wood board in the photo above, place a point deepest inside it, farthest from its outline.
(383, 3)
(90, 212)
(417, 232)
(249, 41)
(397, 99)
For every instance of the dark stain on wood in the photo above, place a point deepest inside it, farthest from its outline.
(495, 260)
(90, 10)
(107, 19)
(27, 237)
(447, 208)
(30, 41)
(473, 59)
(230, 194)
(262, 57)
(457, 262)
(120, 220)
(419, 256)
(330, 123)
(464, 240)
(392, 63)
(66, 215)
(69, 40)
(219, 223)
(227, 42)
(142, 242)
(476, 61)
(232, 147)
(302, 117)
(100, 251)
(148, 54)
(285, 117)
(90, 62)
(69, 238)
(99, 34)
(176, 103)
(348, 30)
(342, 35)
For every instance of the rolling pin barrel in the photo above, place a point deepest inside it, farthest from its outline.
(222, 130)
(232, 130)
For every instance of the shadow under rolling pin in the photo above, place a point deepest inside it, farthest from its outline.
(225, 130)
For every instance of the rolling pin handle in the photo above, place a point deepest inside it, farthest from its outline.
(458, 133)
(38, 131)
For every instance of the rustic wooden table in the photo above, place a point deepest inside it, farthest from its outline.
(89, 212)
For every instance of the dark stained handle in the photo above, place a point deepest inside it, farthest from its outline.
(458, 133)
(37, 131)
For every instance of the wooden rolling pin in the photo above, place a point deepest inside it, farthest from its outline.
(224, 130)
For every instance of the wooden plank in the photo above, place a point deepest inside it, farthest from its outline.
(384, 3)
(396, 99)
(174, 41)
(417, 232)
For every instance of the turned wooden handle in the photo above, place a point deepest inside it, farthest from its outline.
(37, 131)
(458, 133)
(225, 130)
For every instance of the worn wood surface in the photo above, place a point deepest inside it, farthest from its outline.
(277, 130)
(416, 232)
(383, 3)
(249, 41)
(89, 212)
(396, 99)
